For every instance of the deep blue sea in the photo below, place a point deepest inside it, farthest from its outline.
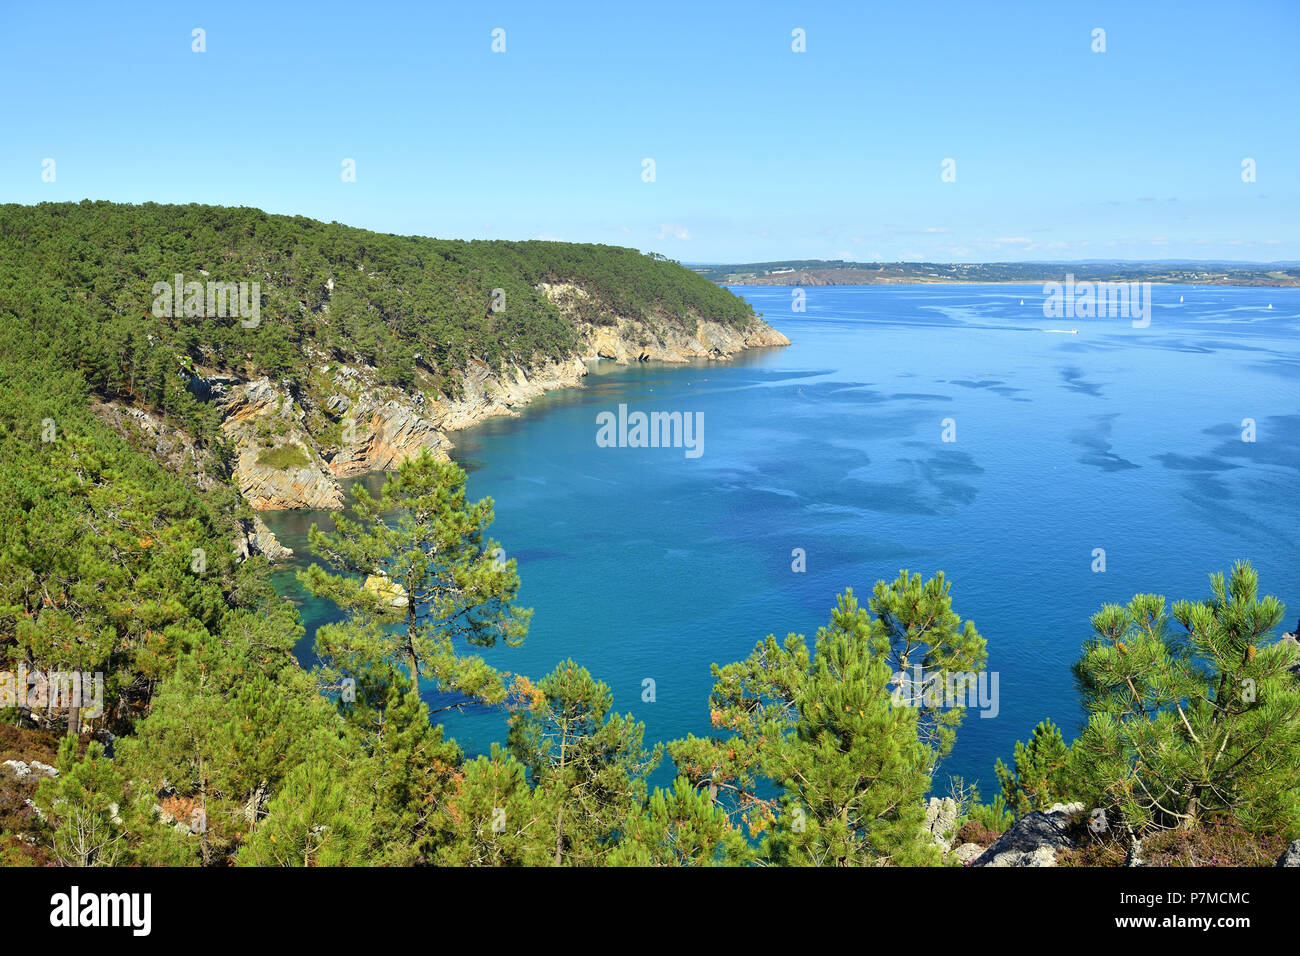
(645, 563)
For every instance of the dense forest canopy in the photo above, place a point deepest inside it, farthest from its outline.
(81, 277)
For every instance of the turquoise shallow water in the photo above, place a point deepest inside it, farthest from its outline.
(644, 563)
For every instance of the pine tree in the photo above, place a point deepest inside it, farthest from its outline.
(83, 807)
(1193, 724)
(930, 650)
(320, 817)
(236, 717)
(589, 761)
(411, 766)
(490, 816)
(417, 576)
(1042, 772)
(681, 827)
(851, 765)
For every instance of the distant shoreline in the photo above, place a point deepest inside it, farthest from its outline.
(1238, 284)
(823, 272)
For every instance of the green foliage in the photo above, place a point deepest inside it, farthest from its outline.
(1196, 724)
(492, 817)
(589, 762)
(680, 827)
(1042, 772)
(318, 818)
(284, 457)
(237, 716)
(929, 647)
(853, 767)
(78, 280)
(433, 576)
(976, 820)
(83, 808)
(410, 769)
(993, 817)
(98, 546)
(815, 761)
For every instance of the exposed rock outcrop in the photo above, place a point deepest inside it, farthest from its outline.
(635, 342)
(268, 488)
(941, 821)
(625, 340)
(1034, 839)
(968, 852)
(379, 435)
(1291, 856)
(486, 394)
(1293, 640)
(256, 538)
(389, 590)
(22, 770)
(384, 427)
(259, 419)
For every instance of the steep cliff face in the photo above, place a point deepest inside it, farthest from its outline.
(256, 538)
(294, 442)
(261, 420)
(485, 393)
(627, 340)
(379, 434)
(288, 458)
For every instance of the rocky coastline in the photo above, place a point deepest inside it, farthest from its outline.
(294, 442)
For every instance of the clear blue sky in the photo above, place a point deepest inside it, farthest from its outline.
(760, 152)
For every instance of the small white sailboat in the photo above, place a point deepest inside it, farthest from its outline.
(1270, 305)
(1180, 300)
(1022, 301)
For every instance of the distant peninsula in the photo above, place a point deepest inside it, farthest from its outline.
(818, 272)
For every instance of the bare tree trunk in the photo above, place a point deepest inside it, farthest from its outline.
(559, 835)
(559, 814)
(410, 642)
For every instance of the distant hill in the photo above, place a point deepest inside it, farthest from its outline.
(815, 272)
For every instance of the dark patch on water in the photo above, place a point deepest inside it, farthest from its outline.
(1193, 462)
(471, 465)
(1287, 367)
(986, 384)
(1075, 381)
(1224, 430)
(948, 460)
(1097, 441)
(996, 386)
(897, 498)
(1275, 442)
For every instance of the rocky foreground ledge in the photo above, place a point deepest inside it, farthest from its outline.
(1037, 839)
